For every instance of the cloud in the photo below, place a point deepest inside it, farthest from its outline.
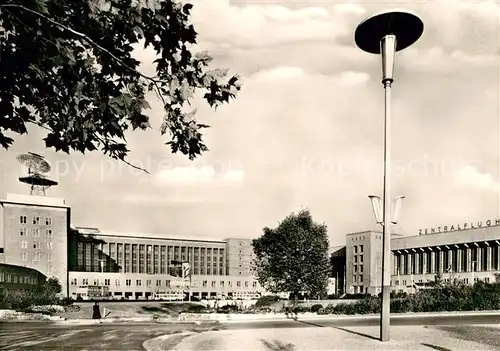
(472, 177)
(196, 175)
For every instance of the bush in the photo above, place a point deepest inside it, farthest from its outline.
(267, 300)
(196, 309)
(315, 308)
(227, 309)
(67, 301)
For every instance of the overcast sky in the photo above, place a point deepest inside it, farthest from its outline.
(306, 130)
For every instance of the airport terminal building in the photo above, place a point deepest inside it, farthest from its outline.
(468, 252)
(35, 232)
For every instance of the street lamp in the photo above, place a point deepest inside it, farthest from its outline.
(385, 33)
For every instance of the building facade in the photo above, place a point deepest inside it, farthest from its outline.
(18, 278)
(34, 234)
(468, 255)
(136, 266)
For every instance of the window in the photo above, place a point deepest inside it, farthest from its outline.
(36, 232)
(48, 233)
(128, 282)
(355, 259)
(22, 219)
(167, 283)
(158, 283)
(238, 284)
(138, 282)
(254, 284)
(117, 282)
(246, 284)
(148, 282)
(96, 281)
(48, 221)
(85, 281)
(23, 244)
(24, 256)
(49, 256)
(360, 269)
(360, 278)
(49, 245)
(74, 281)
(222, 283)
(361, 259)
(213, 283)
(205, 283)
(361, 248)
(487, 280)
(36, 244)
(355, 269)
(355, 249)
(354, 278)
(22, 231)
(36, 220)
(107, 282)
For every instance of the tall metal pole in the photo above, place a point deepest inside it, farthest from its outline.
(388, 50)
(377, 35)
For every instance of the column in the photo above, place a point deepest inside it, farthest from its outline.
(450, 261)
(410, 265)
(479, 259)
(417, 263)
(424, 262)
(489, 257)
(468, 259)
(459, 259)
(394, 264)
(498, 257)
(441, 261)
(433, 262)
(402, 264)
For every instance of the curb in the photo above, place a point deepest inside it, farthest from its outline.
(165, 342)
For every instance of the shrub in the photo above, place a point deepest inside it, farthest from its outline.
(67, 301)
(315, 308)
(196, 309)
(267, 300)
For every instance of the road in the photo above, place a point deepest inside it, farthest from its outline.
(130, 336)
(51, 336)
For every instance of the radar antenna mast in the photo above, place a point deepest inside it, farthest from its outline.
(37, 168)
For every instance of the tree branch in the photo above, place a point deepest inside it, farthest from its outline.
(91, 42)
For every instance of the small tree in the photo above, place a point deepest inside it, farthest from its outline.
(293, 257)
(53, 286)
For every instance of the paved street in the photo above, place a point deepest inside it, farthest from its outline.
(131, 336)
(48, 336)
(457, 319)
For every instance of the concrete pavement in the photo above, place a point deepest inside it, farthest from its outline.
(328, 338)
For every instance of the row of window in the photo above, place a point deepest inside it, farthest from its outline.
(23, 244)
(463, 280)
(357, 278)
(138, 282)
(358, 258)
(355, 249)
(36, 220)
(15, 278)
(37, 256)
(35, 232)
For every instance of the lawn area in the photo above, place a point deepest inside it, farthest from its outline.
(134, 309)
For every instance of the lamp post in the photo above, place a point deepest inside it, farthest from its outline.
(385, 33)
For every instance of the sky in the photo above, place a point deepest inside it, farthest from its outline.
(306, 130)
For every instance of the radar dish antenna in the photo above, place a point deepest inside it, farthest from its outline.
(37, 167)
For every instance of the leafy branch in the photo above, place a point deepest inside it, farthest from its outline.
(99, 103)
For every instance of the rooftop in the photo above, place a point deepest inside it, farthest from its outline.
(23, 199)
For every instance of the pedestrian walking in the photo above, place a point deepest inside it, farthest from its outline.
(96, 311)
